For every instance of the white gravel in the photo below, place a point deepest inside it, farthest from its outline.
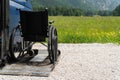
(83, 62)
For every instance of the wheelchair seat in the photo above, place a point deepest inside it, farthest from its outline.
(34, 25)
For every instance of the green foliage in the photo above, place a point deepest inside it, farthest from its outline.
(116, 12)
(87, 29)
(104, 13)
(63, 3)
(78, 7)
(61, 11)
(68, 8)
(57, 11)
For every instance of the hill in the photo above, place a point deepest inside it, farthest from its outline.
(62, 3)
(82, 4)
(105, 4)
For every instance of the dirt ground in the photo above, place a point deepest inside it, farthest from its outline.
(82, 62)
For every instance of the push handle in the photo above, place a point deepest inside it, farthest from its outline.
(51, 22)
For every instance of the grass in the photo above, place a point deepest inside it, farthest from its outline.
(87, 29)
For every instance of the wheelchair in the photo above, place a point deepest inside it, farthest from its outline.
(33, 27)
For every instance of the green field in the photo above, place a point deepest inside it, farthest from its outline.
(87, 29)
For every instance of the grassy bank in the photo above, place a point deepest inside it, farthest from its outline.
(88, 29)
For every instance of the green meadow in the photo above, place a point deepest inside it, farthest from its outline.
(81, 29)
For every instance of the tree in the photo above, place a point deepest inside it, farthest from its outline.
(116, 12)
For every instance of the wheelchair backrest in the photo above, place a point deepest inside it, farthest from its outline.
(34, 23)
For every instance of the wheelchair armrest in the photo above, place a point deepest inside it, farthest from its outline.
(51, 21)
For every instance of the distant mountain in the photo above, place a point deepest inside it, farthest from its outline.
(104, 4)
(82, 4)
(63, 3)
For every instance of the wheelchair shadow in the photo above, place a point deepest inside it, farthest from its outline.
(38, 66)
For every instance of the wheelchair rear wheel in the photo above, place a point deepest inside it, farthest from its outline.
(52, 45)
(16, 44)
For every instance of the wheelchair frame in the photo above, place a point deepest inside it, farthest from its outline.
(27, 38)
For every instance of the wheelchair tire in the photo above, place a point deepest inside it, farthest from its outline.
(50, 56)
(16, 47)
(52, 45)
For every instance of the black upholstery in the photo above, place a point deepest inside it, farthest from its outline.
(34, 25)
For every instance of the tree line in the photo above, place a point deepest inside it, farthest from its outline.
(62, 11)
(116, 11)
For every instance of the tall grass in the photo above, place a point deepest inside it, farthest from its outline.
(87, 29)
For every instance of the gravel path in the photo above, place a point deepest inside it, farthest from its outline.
(83, 62)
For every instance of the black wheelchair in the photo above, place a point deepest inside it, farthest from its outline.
(33, 27)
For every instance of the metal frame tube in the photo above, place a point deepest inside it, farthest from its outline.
(5, 27)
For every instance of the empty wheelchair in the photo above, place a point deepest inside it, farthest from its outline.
(33, 27)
